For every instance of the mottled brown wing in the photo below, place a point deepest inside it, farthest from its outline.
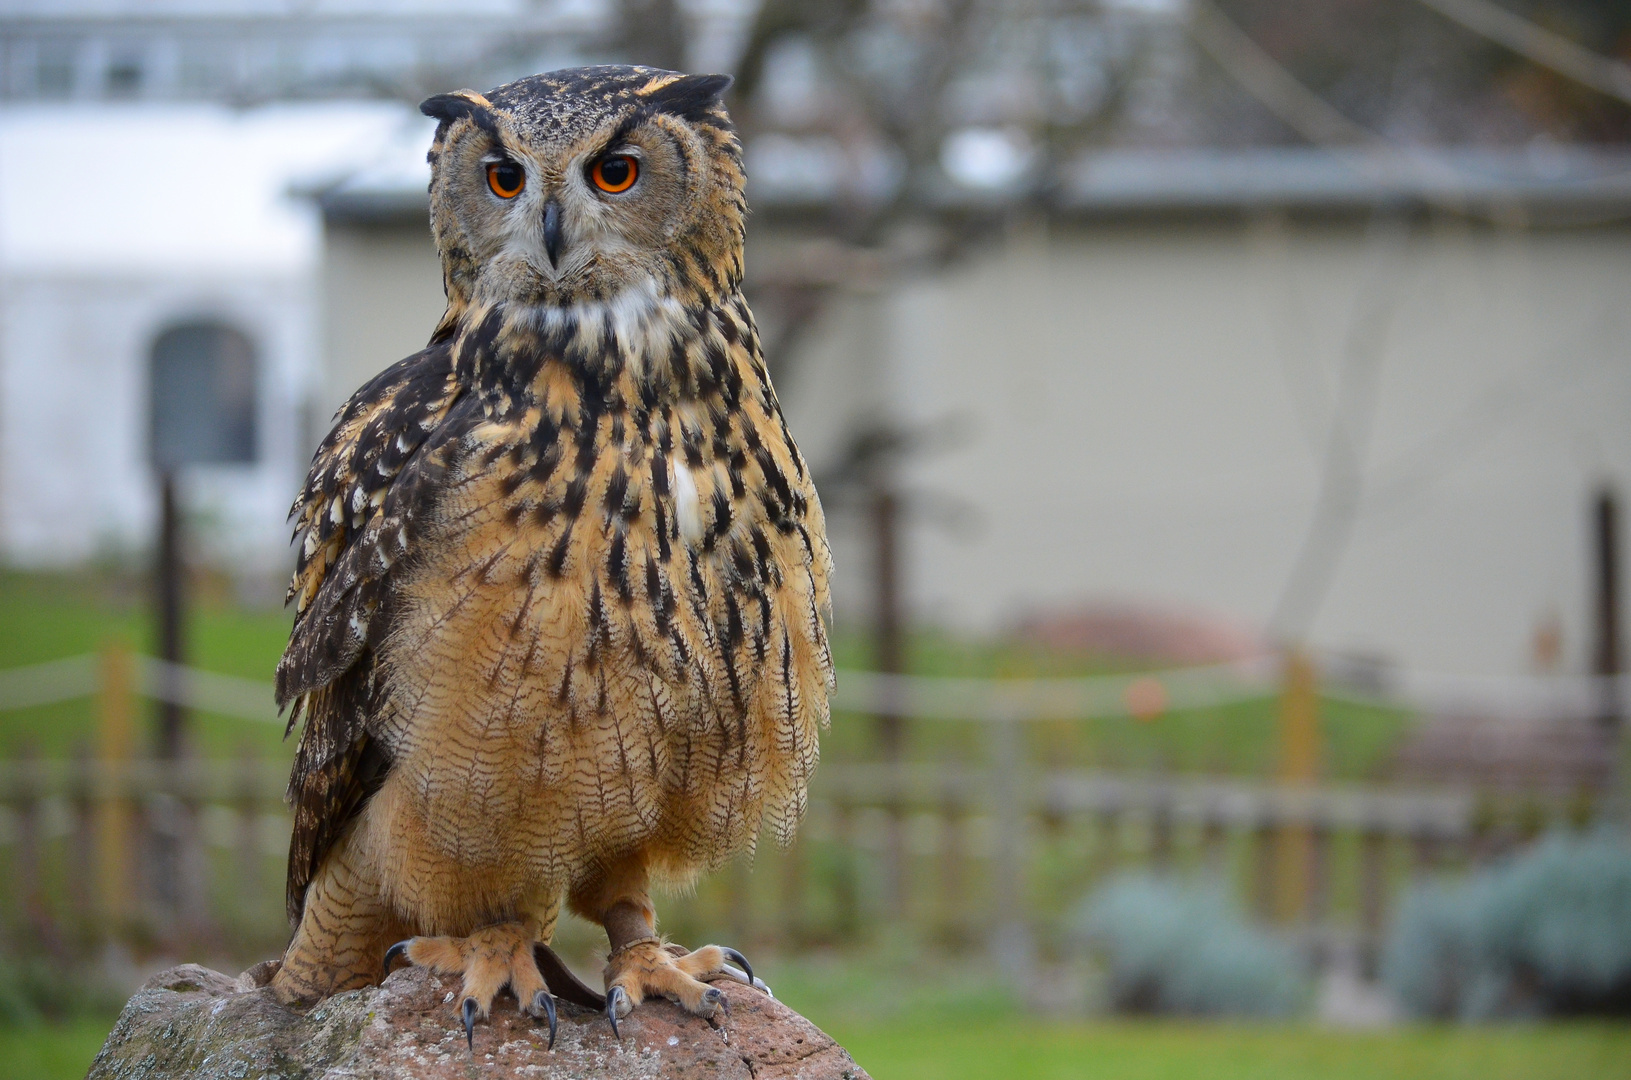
(379, 465)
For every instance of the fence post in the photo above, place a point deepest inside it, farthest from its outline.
(116, 744)
(1011, 938)
(846, 891)
(1263, 864)
(1372, 896)
(953, 880)
(1318, 908)
(793, 880)
(1214, 844)
(82, 807)
(1161, 827)
(30, 861)
(1107, 857)
(1299, 769)
(738, 874)
(249, 847)
(1426, 849)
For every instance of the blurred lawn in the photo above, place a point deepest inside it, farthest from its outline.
(1169, 1050)
(51, 1051)
(1109, 1050)
(49, 616)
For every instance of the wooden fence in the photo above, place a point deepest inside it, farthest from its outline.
(189, 854)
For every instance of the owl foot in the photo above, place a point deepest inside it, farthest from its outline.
(650, 968)
(489, 960)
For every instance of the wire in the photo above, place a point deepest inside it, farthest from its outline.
(1536, 43)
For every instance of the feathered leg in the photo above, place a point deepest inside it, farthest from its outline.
(344, 930)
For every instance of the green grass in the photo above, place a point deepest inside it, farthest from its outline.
(50, 616)
(52, 1051)
(1000, 1047)
(906, 1016)
(1170, 1050)
(1239, 738)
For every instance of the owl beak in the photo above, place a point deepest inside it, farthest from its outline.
(552, 232)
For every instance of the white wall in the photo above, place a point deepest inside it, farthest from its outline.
(1148, 409)
(74, 356)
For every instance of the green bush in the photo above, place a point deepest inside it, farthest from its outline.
(1185, 949)
(1545, 933)
(39, 988)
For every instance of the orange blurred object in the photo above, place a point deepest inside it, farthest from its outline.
(1146, 698)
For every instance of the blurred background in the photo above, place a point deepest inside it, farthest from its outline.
(1223, 414)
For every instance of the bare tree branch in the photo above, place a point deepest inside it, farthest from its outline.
(1538, 44)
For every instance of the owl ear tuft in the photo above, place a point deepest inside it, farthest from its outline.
(691, 95)
(461, 103)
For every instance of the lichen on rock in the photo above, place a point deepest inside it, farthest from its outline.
(190, 1021)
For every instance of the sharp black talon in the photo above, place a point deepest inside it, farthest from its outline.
(616, 995)
(542, 1000)
(469, 1011)
(395, 951)
(741, 962)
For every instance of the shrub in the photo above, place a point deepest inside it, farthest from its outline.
(1545, 933)
(35, 988)
(1185, 949)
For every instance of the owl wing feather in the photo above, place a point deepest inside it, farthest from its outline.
(376, 469)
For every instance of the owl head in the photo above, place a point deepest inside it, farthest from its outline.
(583, 184)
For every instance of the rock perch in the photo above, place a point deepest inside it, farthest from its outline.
(194, 1022)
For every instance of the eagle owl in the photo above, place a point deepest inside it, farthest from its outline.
(561, 594)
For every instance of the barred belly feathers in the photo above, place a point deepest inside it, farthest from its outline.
(562, 580)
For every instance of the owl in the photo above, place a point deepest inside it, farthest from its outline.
(562, 584)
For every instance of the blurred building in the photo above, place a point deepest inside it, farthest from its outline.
(1135, 387)
(157, 303)
(247, 51)
(1159, 352)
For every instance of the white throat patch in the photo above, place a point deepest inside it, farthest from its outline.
(637, 324)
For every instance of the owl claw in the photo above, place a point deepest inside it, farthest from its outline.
(742, 971)
(617, 996)
(393, 952)
(469, 1012)
(741, 962)
(543, 1002)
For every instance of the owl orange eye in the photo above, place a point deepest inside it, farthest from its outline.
(506, 179)
(614, 174)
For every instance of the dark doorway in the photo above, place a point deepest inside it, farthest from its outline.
(203, 397)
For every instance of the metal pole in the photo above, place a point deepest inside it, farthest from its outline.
(167, 817)
(1606, 661)
(1606, 657)
(170, 583)
(890, 660)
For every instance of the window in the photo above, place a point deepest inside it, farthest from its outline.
(203, 397)
(124, 75)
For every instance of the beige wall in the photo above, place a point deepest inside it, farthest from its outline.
(1146, 408)
(382, 296)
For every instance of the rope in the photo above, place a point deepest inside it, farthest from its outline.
(921, 697)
